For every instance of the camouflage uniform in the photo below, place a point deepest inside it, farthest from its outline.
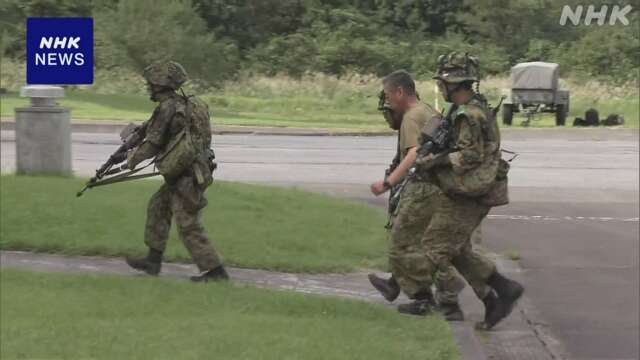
(406, 255)
(180, 197)
(453, 218)
(408, 220)
(467, 176)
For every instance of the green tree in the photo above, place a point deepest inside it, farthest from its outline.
(612, 54)
(250, 23)
(136, 33)
(291, 54)
(14, 13)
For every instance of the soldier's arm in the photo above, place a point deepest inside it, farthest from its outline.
(469, 144)
(403, 168)
(155, 136)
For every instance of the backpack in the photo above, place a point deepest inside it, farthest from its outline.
(191, 145)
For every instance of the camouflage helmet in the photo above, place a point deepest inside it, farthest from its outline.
(457, 67)
(167, 73)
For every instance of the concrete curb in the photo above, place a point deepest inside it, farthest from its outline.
(352, 285)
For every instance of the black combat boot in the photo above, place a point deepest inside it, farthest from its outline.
(388, 288)
(421, 306)
(452, 312)
(217, 274)
(150, 264)
(492, 311)
(499, 304)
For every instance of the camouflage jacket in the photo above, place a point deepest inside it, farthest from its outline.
(167, 121)
(476, 150)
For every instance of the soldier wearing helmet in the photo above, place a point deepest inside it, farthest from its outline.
(464, 172)
(178, 136)
(402, 109)
(456, 71)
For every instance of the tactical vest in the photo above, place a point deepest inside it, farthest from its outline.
(189, 149)
(478, 181)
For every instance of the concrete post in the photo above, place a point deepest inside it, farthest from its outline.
(43, 133)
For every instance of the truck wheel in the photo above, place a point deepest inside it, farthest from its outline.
(561, 115)
(507, 114)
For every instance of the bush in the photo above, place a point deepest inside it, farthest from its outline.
(539, 50)
(611, 54)
(12, 74)
(340, 55)
(137, 33)
(291, 54)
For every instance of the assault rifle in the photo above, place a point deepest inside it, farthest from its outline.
(131, 136)
(435, 139)
(392, 205)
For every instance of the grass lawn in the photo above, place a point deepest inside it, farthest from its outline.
(302, 110)
(76, 316)
(251, 226)
(85, 105)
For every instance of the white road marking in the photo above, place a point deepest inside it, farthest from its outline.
(566, 218)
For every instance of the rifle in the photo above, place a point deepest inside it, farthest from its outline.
(131, 136)
(435, 139)
(391, 207)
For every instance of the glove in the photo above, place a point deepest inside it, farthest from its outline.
(427, 162)
(131, 161)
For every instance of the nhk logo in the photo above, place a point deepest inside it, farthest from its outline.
(52, 58)
(59, 50)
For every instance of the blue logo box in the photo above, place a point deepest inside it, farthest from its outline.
(60, 50)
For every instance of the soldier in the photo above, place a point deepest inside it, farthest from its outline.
(178, 135)
(465, 173)
(405, 113)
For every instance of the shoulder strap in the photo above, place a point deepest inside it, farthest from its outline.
(188, 108)
(479, 102)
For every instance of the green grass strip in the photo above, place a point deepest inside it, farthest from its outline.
(251, 226)
(301, 111)
(78, 316)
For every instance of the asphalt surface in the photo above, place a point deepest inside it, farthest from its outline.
(573, 219)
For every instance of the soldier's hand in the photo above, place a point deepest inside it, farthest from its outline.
(131, 162)
(425, 159)
(378, 188)
(429, 161)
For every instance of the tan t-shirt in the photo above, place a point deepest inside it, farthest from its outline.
(412, 122)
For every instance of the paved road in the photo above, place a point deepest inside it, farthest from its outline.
(549, 166)
(573, 217)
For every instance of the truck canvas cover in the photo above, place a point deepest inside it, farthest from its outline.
(535, 75)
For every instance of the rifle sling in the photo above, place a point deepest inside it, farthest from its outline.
(127, 176)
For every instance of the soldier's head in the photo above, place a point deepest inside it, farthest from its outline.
(165, 76)
(399, 91)
(455, 74)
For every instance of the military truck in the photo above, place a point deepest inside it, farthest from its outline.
(534, 90)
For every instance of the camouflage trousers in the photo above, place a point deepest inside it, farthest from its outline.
(445, 241)
(182, 200)
(406, 250)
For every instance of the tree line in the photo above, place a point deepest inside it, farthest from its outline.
(218, 39)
